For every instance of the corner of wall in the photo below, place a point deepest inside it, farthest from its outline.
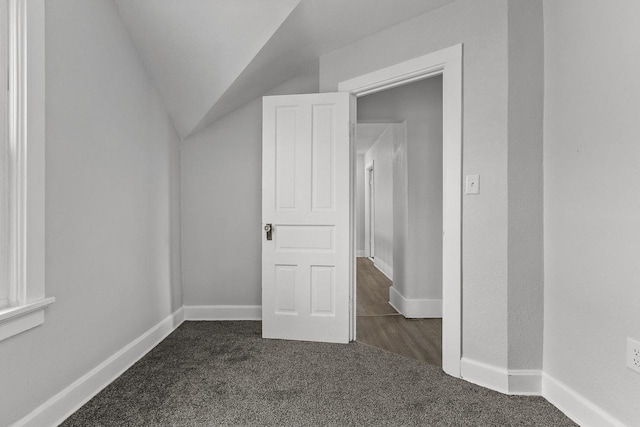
(525, 184)
(415, 308)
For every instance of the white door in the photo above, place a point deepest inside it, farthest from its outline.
(307, 265)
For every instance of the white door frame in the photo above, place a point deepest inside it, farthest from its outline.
(369, 208)
(448, 63)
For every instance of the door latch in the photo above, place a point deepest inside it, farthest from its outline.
(268, 228)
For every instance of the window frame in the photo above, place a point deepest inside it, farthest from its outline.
(4, 161)
(26, 144)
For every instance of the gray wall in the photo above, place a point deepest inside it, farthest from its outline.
(4, 183)
(360, 209)
(381, 155)
(112, 207)
(591, 203)
(419, 105)
(222, 205)
(524, 173)
(401, 234)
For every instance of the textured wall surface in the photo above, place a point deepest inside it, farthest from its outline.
(526, 93)
(591, 204)
(112, 207)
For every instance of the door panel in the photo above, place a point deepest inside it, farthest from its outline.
(306, 273)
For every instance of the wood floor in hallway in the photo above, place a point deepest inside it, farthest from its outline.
(379, 325)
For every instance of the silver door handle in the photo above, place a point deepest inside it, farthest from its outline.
(268, 228)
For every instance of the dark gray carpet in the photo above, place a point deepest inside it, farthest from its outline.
(224, 373)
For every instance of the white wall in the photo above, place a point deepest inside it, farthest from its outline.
(360, 207)
(591, 204)
(381, 155)
(401, 233)
(222, 203)
(4, 176)
(112, 207)
(419, 106)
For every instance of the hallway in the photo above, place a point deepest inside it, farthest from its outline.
(379, 325)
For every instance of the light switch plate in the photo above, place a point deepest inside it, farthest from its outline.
(472, 184)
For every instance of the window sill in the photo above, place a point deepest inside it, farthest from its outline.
(15, 320)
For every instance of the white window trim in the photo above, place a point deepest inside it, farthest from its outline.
(26, 125)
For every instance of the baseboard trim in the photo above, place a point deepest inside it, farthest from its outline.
(384, 268)
(514, 382)
(415, 308)
(361, 254)
(575, 406)
(58, 408)
(525, 382)
(484, 375)
(223, 312)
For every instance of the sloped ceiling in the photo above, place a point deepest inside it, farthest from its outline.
(209, 57)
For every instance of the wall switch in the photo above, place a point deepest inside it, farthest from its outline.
(633, 355)
(472, 185)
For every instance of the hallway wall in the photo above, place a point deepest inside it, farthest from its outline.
(381, 155)
(419, 106)
(360, 207)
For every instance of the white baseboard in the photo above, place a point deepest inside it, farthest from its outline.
(62, 405)
(484, 375)
(415, 308)
(223, 312)
(384, 268)
(520, 382)
(581, 410)
(526, 382)
(361, 254)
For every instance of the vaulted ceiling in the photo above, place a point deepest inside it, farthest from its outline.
(209, 57)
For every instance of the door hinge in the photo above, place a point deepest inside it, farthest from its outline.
(352, 130)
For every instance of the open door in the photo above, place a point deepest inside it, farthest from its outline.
(307, 248)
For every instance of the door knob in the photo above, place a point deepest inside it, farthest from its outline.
(268, 229)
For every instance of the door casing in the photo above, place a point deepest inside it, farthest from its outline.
(370, 211)
(448, 63)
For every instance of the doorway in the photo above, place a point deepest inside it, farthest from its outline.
(448, 63)
(309, 250)
(399, 298)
